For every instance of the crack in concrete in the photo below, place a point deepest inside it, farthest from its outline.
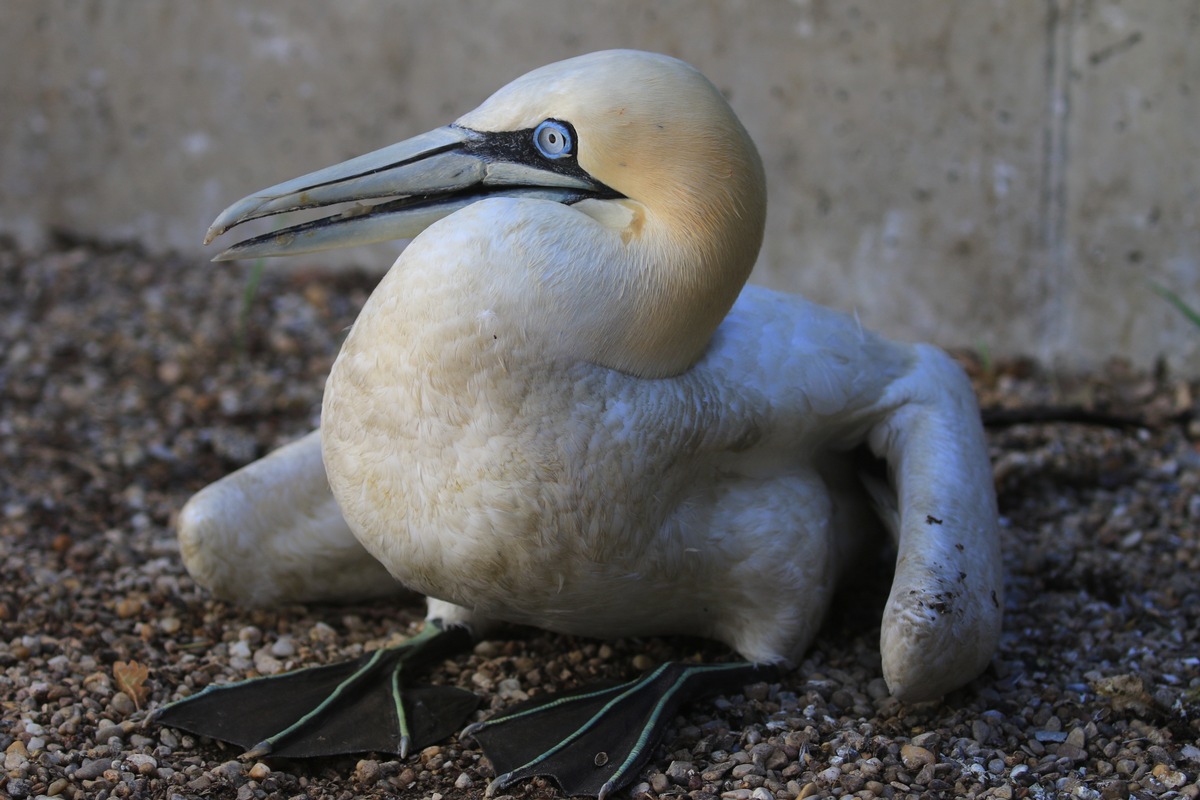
(1053, 244)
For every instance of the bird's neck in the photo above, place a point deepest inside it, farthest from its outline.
(539, 282)
(687, 255)
(682, 295)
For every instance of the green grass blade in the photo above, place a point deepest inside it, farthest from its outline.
(1180, 304)
(248, 294)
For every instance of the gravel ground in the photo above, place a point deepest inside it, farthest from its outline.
(127, 383)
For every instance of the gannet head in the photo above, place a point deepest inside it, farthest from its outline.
(654, 130)
(639, 142)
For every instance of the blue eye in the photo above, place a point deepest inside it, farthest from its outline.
(553, 139)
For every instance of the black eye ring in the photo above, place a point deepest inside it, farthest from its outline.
(553, 139)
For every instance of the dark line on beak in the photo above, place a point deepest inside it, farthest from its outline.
(402, 163)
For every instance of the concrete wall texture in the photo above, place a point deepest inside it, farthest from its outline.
(1003, 175)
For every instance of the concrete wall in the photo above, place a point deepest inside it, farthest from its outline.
(1007, 175)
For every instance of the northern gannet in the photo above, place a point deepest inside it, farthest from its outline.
(561, 408)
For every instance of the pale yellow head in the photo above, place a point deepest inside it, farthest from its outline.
(658, 132)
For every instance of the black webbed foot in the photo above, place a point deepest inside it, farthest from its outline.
(595, 741)
(350, 707)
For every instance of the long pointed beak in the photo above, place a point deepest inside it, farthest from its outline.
(417, 182)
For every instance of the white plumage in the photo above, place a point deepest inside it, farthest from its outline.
(545, 415)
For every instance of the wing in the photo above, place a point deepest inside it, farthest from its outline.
(942, 619)
(272, 533)
(827, 385)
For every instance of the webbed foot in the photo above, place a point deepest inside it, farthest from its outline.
(595, 741)
(350, 707)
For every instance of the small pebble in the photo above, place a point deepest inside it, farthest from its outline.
(1068, 750)
(141, 764)
(283, 647)
(367, 772)
(757, 691)
(680, 771)
(201, 783)
(16, 756)
(742, 770)
(90, 770)
(1167, 777)
(717, 771)
(128, 607)
(914, 757)
(122, 704)
(267, 664)
(107, 730)
(927, 739)
(486, 649)
(510, 689)
(1076, 738)
(323, 633)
